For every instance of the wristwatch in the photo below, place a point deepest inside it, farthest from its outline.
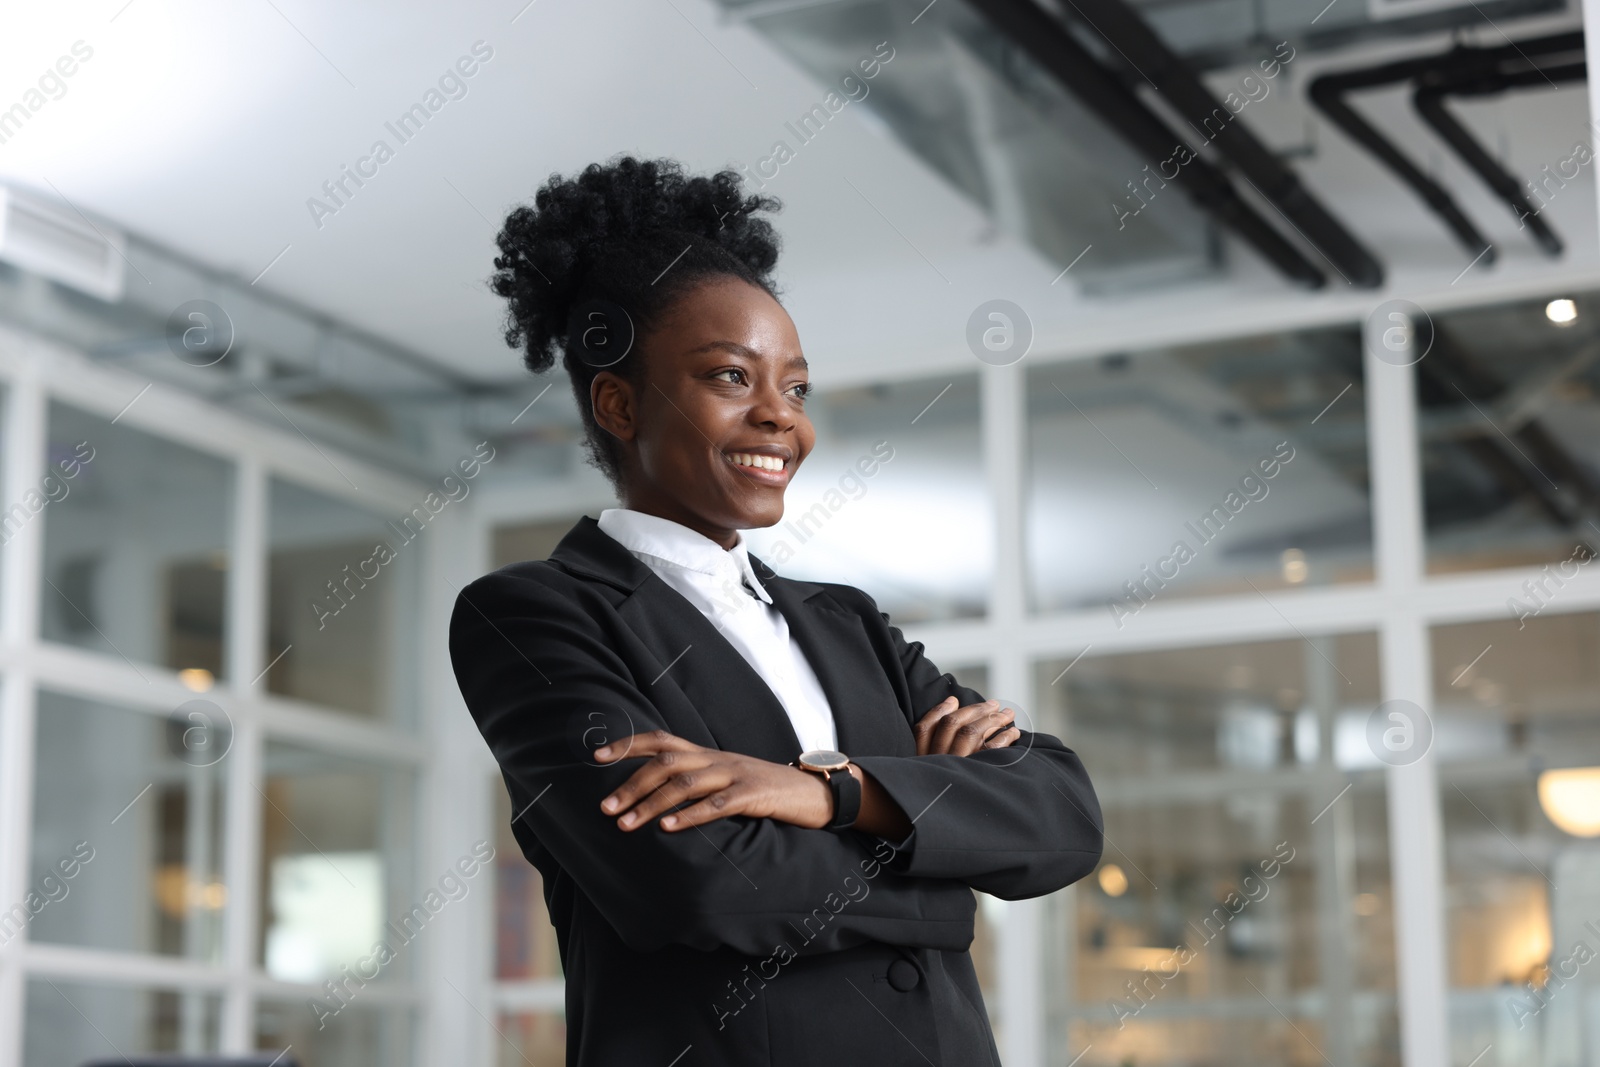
(835, 770)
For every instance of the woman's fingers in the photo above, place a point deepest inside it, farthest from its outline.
(645, 744)
(718, 805)
(972, 737)
(964, 730)
(680, 788)
(669, 755)
(923, 730)
(1004, 739)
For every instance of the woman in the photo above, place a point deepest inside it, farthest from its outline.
(759, 811)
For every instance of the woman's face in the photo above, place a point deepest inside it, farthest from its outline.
(715, 429)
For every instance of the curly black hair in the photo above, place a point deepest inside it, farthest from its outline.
(618, 245)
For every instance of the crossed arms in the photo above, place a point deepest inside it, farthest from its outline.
(996, 808)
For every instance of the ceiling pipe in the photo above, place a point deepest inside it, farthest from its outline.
(1429, 102)
(1328, 93)
(1045, 38)
(1127, 32)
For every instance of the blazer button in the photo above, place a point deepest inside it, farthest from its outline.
(904, 976)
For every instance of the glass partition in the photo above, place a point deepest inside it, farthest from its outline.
(1508, 399)
(525, 942)
(136, 546)
(361, 1036)
(1517, 741)
(127, 826)
(1224, 467)
(337, 865)
(343, 590)
(1242, 909)
(68, 1022)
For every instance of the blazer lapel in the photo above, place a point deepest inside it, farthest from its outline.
(738, 708)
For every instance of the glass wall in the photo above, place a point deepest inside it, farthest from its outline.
(1518, 742)
(362, 1036)
(136, 545)
(1241, 911)
(160, 794)
(1508, 402)
(1198, 470)
(122, 1022)
(336, 860)
(133, 845)
(342, 598)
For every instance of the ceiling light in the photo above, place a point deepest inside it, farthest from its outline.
(196, 679)
(1562, 312)
(1571, 799)
(1112, 880)
(1295, 568)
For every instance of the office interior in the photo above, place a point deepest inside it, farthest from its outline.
(1239, 362)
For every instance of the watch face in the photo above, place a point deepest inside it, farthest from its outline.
(823, 760)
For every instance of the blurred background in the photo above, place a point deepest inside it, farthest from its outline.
(1239, 361)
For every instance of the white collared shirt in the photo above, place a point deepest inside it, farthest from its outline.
(723, 587)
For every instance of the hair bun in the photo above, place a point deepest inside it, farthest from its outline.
(594, 235)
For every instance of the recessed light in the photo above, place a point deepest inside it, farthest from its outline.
(1562, 312)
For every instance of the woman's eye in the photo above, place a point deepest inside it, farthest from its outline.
(738, 375)
(802, 390)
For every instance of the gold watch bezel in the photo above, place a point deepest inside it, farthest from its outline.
(830, 761)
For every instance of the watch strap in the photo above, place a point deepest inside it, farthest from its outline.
(846, 799)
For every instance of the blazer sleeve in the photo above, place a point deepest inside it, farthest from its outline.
(536, 668)
(1014, 823)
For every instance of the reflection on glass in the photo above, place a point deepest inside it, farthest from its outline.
(892, 500)
(532, 1037)
(1509, 419)
(343, 594)
(525, 942)
(136, 545)
(361, 1036)
(1514, 701)
(1196, 470)
(128, 821)
(336, 867)
(1246, 867)
(70, 1022)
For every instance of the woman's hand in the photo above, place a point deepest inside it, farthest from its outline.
(731, 783)
(723, 783)
(961, 731)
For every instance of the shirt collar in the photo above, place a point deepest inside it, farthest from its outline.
(676, 544)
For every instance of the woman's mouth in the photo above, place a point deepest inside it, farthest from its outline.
(768, 470)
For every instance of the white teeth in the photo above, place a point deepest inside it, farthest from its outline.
(766, 463)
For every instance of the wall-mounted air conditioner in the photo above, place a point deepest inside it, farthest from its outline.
(60, 244)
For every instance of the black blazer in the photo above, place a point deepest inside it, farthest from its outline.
(751, 941)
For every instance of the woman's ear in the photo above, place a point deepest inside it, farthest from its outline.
(615, 405)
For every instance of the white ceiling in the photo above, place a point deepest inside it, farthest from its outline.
(208, 127)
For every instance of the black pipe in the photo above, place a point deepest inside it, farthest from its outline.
(1429, 102)
(1327, 92)
(1461, 65)
(1047, 40)
(1149, 55)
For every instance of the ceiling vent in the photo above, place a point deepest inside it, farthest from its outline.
(61, 245)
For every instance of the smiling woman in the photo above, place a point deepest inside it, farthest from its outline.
(654, 677)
